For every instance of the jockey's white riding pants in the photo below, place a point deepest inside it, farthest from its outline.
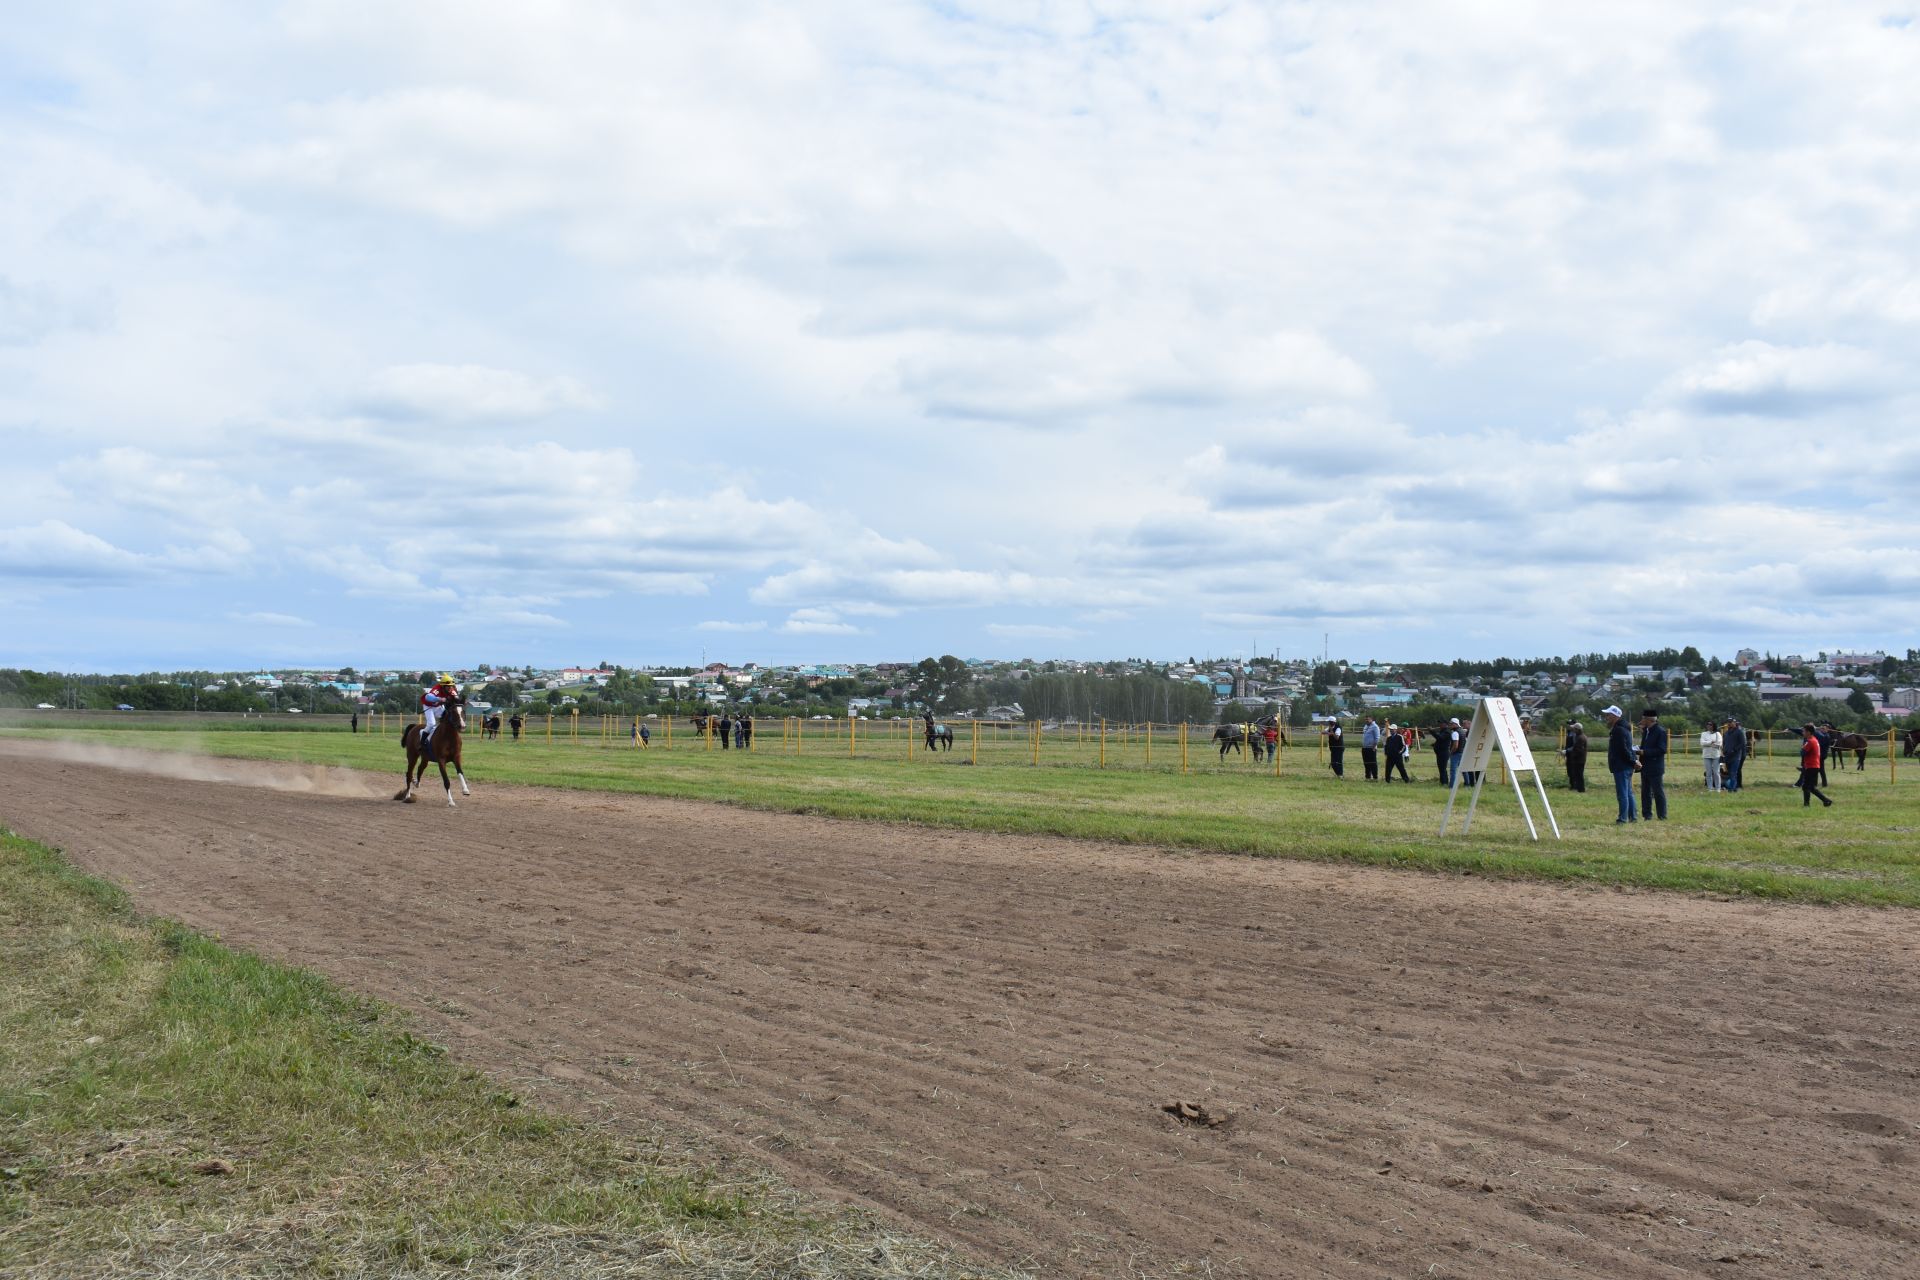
(433, 718)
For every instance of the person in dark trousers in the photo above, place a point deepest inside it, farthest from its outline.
(1653, 766)
(1575, 754)
(1456, 750)
(1396, 747)
(515, 724)
(1733, 753)
(353, 725)
(1370, 750)
(1620, 761)
(1337, 748)
(1442, 748)
(1813, 759)
(743, 733)
(724, 728)
(1826, 735)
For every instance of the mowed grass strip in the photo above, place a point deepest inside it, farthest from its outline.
(1758, 843)
(170, 1107)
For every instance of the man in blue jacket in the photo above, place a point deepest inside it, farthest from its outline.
(1653, 765)
(1620, 760)
(1733, 753)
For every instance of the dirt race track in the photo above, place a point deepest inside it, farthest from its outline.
(1420, 1076)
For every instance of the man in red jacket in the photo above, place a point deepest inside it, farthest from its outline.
(1810, 761)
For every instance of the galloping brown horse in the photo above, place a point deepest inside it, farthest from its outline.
(443, 748)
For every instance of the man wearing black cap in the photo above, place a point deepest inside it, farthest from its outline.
(1653, 765)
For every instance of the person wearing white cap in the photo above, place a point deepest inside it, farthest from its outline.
(1621, 761)
(1456, 743)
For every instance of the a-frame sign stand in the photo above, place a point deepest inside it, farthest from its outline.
(1496, 724)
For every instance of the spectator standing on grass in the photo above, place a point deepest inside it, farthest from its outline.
(1575, 754)
(1270, 730)
(1711, 743)
(646, 735)
(1733, 748)
(743, 729)
(514, 724)
(1826, 735)
(1456, 746)
(1370, 750)
(1653, 766)
(724, 727)
(1337, 748)
(1813, 760)
(1441, 748)
(1396, 746)
(1621, 762)
(1412, 735)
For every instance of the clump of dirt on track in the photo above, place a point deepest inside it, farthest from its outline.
(1414, 1075)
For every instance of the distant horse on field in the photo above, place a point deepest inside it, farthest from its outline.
(1910, 743)
(443, 749)
(1856, 743)
(1231, 737)
(492, 726)
(941, 736)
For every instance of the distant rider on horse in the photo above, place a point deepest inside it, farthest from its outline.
(436, 700)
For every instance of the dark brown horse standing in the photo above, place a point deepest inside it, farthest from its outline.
(1910, 742)
(1856, 743)
(443, 749)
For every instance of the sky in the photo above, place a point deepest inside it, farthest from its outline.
(445, 333)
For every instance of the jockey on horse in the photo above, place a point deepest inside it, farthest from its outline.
(424, 748)
(434, 702)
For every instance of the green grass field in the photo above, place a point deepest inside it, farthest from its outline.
(1760, 842)
(169, 1107)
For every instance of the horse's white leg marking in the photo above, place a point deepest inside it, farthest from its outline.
(465, 790)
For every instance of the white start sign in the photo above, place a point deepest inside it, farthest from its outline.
(1497, 724)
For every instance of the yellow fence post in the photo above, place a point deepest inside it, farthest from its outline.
(1033, 739)
(975, 758)
(1183, 746)
(851, 733)
(1149, 744)
(1103, 742)
(549, 726)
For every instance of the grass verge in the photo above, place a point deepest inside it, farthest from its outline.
(173, 1108)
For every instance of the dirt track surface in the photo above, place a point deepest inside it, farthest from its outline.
(1421, 1076)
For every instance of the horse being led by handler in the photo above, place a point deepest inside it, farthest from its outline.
(442, 748)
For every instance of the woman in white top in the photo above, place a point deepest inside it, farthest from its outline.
(1710, 754)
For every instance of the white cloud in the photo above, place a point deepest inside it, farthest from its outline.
(471, 392)
(54, 549)
(721, 625)
(897, 319)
